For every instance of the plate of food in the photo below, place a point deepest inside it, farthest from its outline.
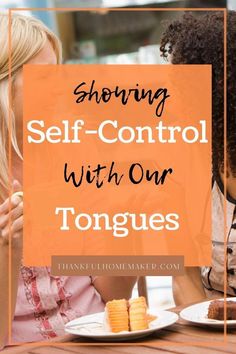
(122, 320)
(211, 313)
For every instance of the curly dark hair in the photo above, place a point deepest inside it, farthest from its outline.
(199, 39)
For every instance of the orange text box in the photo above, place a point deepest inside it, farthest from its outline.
(137, 140)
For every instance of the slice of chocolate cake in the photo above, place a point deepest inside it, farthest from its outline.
(216, 310)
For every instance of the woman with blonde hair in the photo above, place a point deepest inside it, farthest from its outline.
(41, 303)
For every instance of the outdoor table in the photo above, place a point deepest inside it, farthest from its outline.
(181, 338)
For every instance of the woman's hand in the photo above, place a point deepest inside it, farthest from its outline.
(188, 288)
(11, 218)
(11, 227)
(114, 287)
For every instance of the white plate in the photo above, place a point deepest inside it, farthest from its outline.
(97, 331)
(197, 314)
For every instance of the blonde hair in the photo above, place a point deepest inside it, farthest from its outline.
(28, 37)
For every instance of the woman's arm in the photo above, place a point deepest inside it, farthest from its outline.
(188, 288)
(114, 287)
(16, 236)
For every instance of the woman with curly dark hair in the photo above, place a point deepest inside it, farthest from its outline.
(199, 39)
